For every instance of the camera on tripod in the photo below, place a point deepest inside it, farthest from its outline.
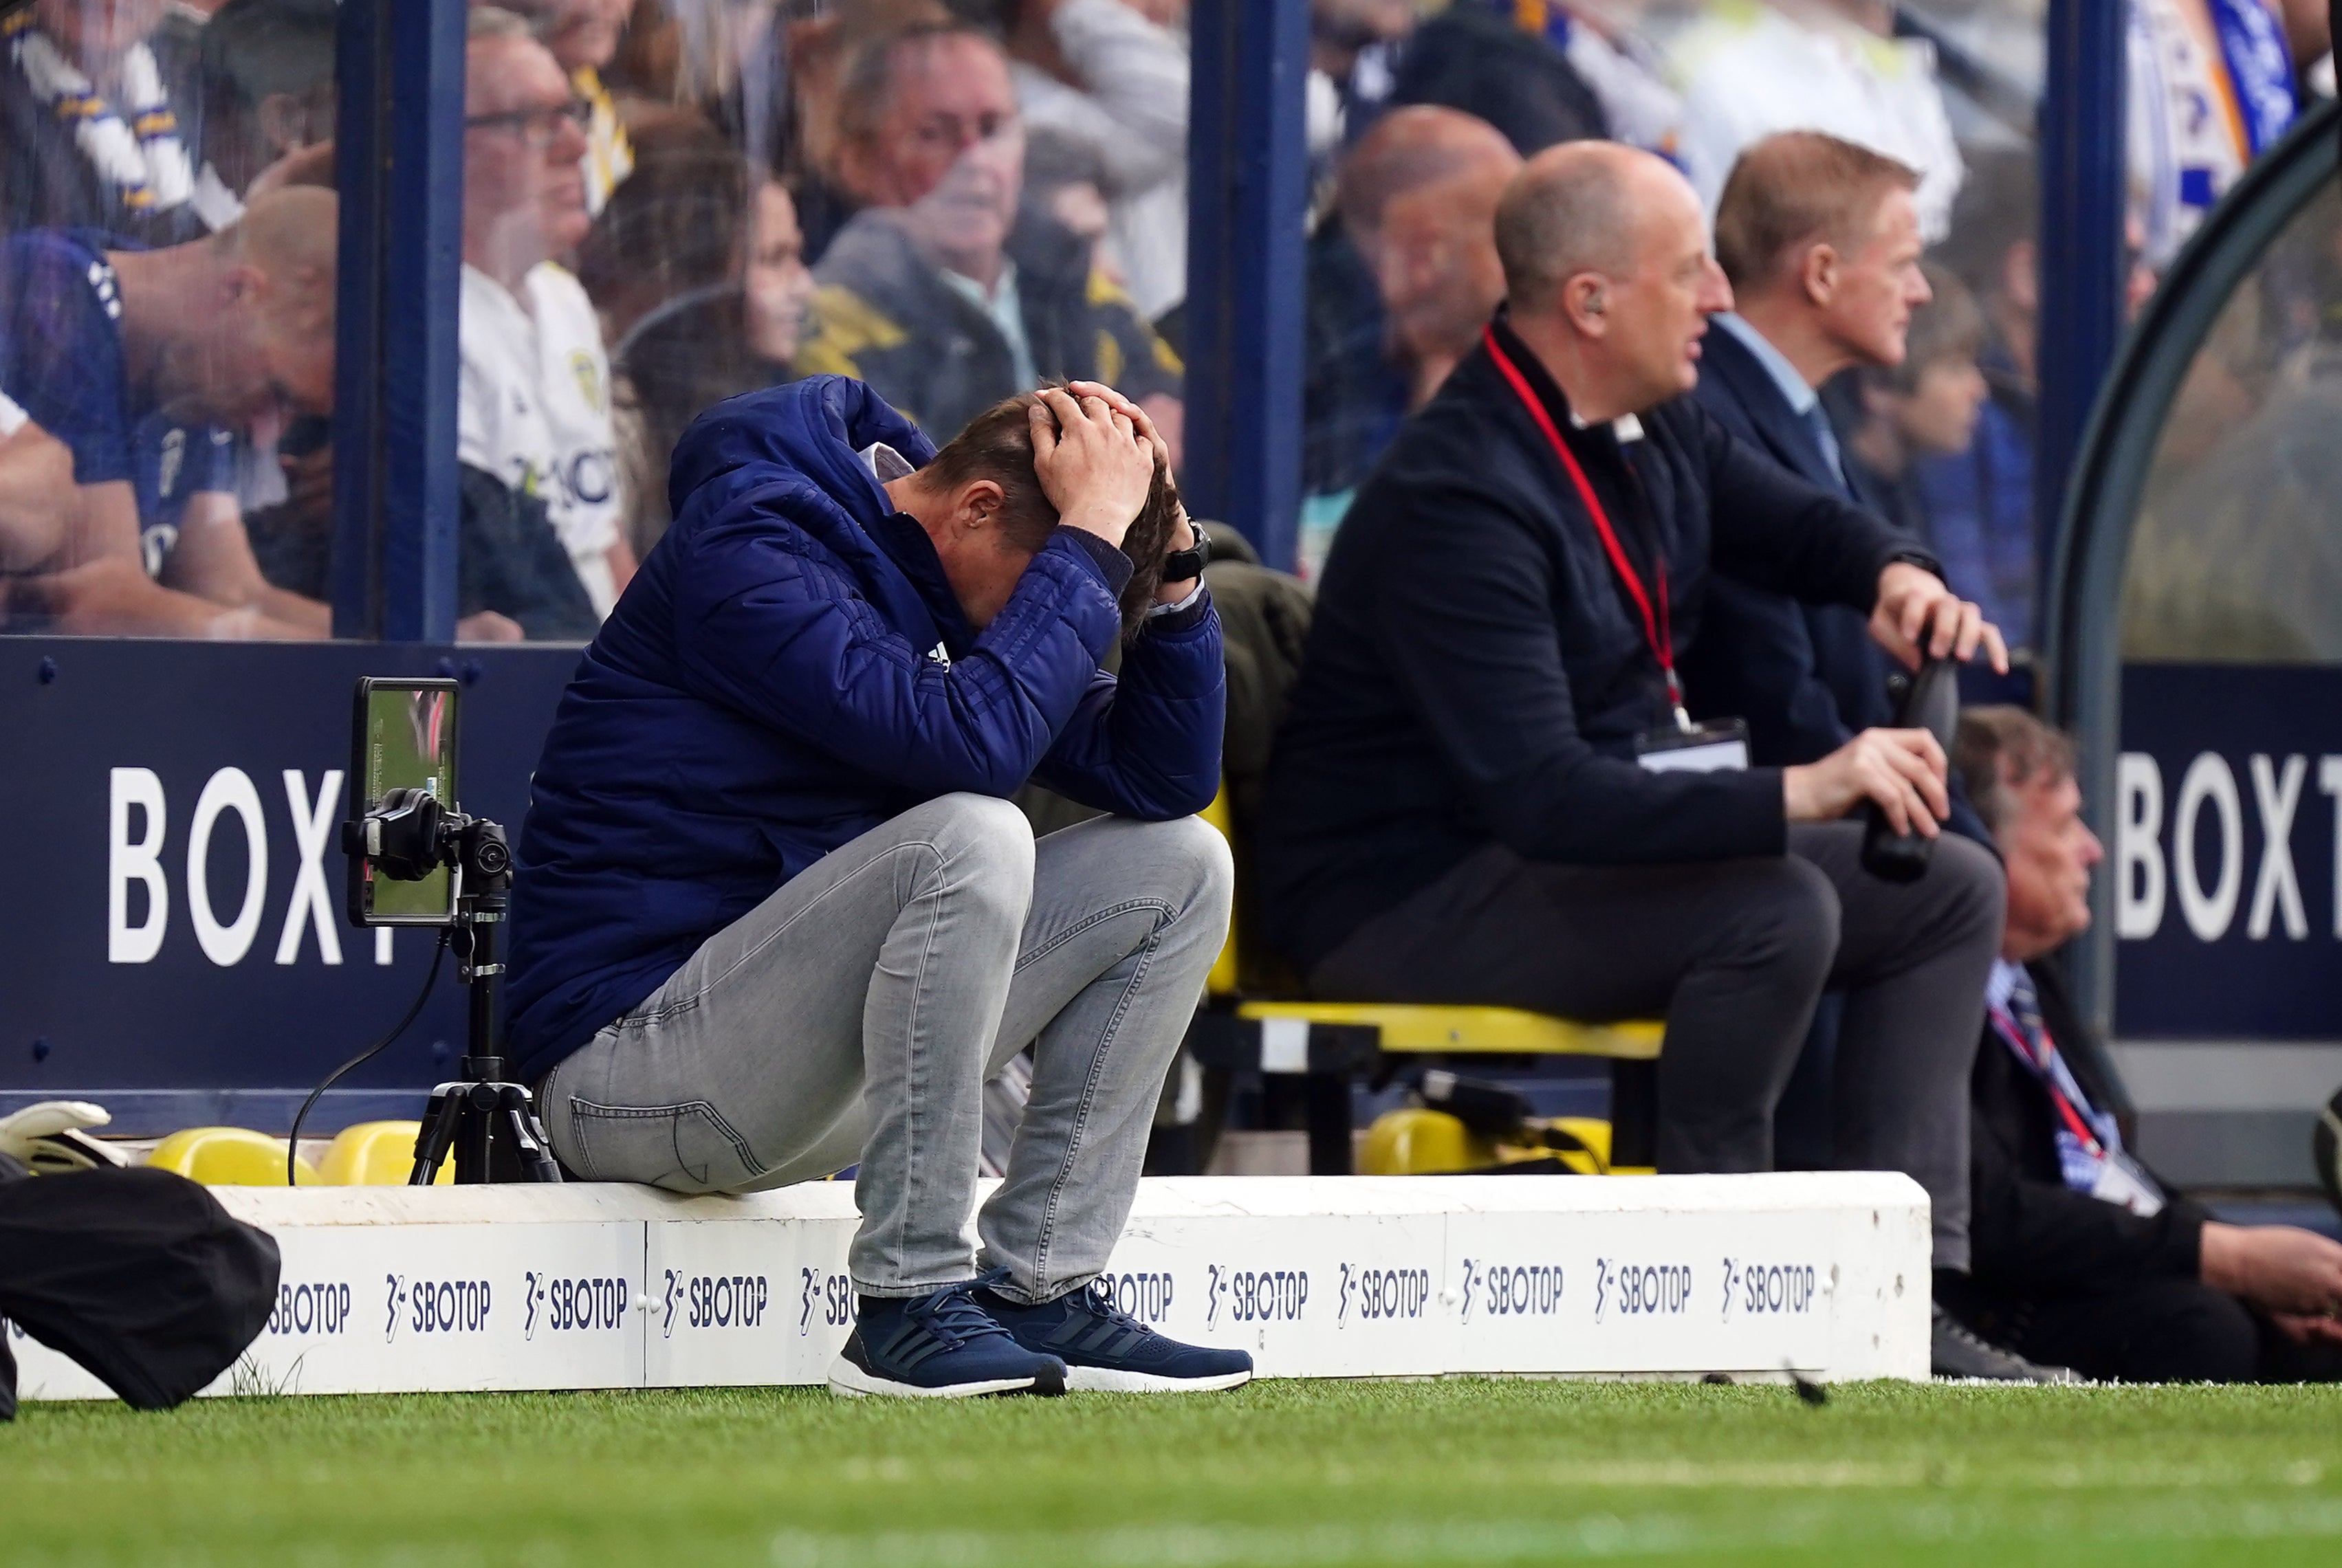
(416, 859)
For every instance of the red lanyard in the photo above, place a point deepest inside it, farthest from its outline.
(1656, 632)
(2005, 1025)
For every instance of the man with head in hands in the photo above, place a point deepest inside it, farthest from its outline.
(774, 913)
(1488, 790)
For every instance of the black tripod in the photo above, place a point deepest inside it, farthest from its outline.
(489, 1121)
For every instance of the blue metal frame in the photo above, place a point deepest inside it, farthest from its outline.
(399, 162)
(2083, 254)
(2090, 547)
(1248, 199)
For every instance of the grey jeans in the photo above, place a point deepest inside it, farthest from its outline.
(854, 1015)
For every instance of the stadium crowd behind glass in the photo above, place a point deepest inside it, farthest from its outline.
(669, 203)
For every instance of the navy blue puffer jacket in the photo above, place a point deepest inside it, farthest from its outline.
(788, 671)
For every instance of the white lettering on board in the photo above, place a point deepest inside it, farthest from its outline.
(2208, 915)
(228, 790)
(141, 861)
(2138, 847)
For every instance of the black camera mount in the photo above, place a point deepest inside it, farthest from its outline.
(488, 1122)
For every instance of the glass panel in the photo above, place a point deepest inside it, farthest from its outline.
(669, 205)
(168, 233)
(2237, 554)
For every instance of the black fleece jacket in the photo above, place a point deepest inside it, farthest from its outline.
(1476, 674)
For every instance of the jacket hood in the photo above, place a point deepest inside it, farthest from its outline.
(817, 427)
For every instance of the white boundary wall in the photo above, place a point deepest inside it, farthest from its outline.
(399, 1289)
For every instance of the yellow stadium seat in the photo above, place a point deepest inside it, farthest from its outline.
(228, 1157)
(1418, 1142)
(1347, 1040)
(1411, 1027)
(375, 1154)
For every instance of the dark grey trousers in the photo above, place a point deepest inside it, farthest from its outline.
(1734, 955)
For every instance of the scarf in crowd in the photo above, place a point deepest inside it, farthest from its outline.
(141, 156)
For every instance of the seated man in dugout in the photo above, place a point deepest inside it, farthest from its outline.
(774, 913)
(1456, 812)
(143, 363)
(2083, 1257)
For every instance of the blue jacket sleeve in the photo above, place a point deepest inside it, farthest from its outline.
(768, 625)
(1148, 745)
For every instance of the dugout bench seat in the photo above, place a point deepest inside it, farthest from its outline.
(1330, 1046)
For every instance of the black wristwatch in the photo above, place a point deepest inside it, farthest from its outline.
(1181, 565)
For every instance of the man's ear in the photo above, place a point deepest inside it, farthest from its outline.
(1585, 301)
(979, 504)
(1817, 273)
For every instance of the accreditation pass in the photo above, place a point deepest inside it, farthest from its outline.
(1720, 746)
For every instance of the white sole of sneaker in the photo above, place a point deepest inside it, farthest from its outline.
(851, 1382)
(1101, 1379)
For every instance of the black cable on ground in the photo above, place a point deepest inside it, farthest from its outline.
(293, 1139)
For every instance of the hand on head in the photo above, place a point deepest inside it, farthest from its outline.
(1096, 453)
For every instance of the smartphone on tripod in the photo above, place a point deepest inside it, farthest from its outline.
(417, 859)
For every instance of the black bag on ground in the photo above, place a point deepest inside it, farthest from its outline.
(137, 1275)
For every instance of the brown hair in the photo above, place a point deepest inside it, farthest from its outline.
(2003, 747)
(997, 444)
(1797, 189)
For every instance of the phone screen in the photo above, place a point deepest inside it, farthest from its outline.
(405, 740)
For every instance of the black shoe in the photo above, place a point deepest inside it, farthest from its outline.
(2325, 1151)
(1954, 1352)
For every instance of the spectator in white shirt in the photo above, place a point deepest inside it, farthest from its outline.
(534, 397)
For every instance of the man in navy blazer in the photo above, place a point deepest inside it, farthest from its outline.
(1820, 239)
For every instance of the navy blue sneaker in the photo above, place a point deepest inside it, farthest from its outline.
(939, 1346)
(1107, 1350)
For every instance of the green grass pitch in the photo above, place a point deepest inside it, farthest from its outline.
(1477, 1472)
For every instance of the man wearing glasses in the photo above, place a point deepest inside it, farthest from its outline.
(945, 293)
(534, 400)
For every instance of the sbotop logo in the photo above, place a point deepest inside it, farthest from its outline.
(1379, 1294)
(321, 1308)
(1637, 1290)
(712, 1301)
(565, 1305)
(1512, 1289)
(434, 1306)
(728, 1301)
(830, 1296)
(1146, 1297)
(1256, 1295)
(1759, 1289)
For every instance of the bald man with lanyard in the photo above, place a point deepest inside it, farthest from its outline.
(1489, 790)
